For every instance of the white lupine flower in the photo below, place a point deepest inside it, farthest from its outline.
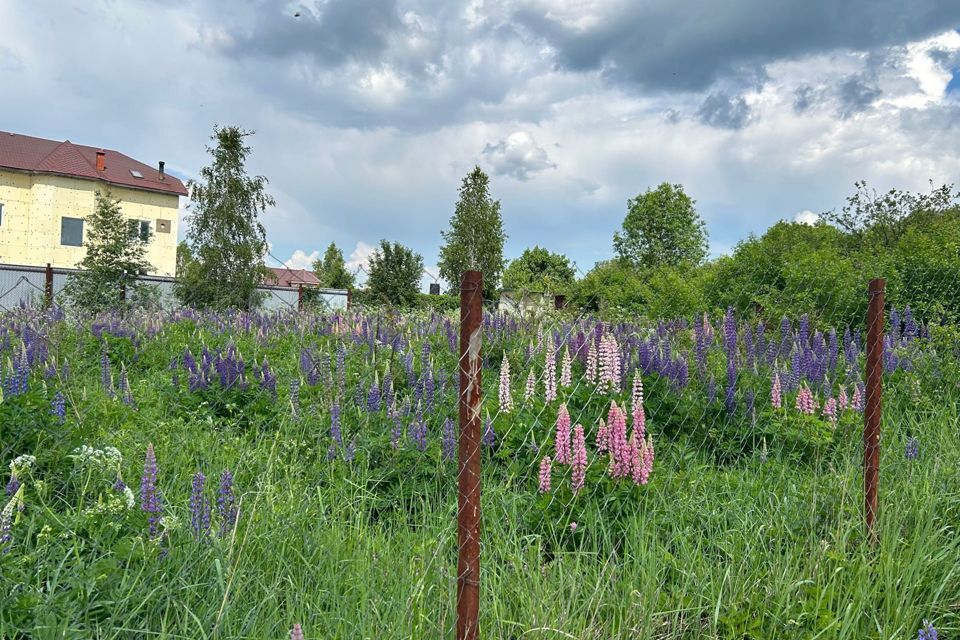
(21, 464)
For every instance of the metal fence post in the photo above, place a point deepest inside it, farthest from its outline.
(48, 287)
(872, 413)
(468, 500)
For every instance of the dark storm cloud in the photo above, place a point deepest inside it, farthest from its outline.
(688, 46)
(855, 95)
(341, 30)
(724, 111)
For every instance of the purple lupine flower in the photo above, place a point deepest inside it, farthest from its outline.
(373, 397)
(118, 486)
(449, 441)
(335, 425)
(387, 393)
(358, 395)
(58, 407)
(700, 347)
(13, 484)
(910, 329)
(341, 368)
(428, 389)
(927, 632)
(297, 632)
(711, 390)
(748, 346)
(199, 508)
(332, 452)
(226, 504)
(418, 432)
(750, 398)
(912, 451)
(489, 435)
(894, 324)
(351, 451)
(150, 502)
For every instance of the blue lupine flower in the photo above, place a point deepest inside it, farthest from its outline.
(335, 425)
(927, 632)
(912, 450)
(58, 407)
(489, 435)
(199, 508)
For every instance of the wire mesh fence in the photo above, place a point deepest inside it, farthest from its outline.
(515, 471)
(22, 285)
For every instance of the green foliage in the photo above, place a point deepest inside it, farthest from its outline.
(539, 270)
(225, 236)
(672, 292)
(395, 272)
(873, 220)
(475, 238)
(610, 287)
(332, 270)
(662, 227)
(115, 257)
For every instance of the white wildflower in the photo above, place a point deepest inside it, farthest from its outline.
(21, 464)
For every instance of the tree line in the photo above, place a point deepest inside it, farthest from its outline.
(659, 265)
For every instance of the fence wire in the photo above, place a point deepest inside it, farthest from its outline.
(641, 475)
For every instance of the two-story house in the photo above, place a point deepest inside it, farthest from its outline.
(47, 190)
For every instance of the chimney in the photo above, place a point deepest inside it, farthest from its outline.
(101, 162)
(162, 174)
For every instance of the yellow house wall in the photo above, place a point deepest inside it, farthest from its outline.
(34, 204)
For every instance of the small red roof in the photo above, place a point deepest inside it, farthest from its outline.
(38, 155)
(285, 277)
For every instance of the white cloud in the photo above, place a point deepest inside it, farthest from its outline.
(302, 260)
(806, 217)
(359, 260)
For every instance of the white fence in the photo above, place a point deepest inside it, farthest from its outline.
(25, 285)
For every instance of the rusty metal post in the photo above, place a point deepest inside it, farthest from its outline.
(48, 287)
(468, 501)
(872, 412)
(300, 297)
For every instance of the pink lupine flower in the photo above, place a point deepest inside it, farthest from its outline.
(805, 403)
(636, 457)
(858, 400)
(545, 469)
(620, 453)
(578, 475)
(550, 372)
(843, 401)
(506, 399)
(609, 363)
(573, 527)
(776, 392)
(830, 411)
(566, 376)
(297, 632)
(603, 437)
(592, 362)
(562, 437)
(648, 456)
(636, 397)
(531, 386)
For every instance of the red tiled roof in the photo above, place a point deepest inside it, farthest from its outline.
(38, 155)
(284, 277)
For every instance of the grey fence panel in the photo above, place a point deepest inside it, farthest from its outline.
(280, 299)
(21, 284)
(20, 287)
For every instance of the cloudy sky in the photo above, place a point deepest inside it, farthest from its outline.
(368, 113)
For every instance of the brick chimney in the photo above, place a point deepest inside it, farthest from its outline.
(101, 160)
(162, 173)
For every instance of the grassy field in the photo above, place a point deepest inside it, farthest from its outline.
(750, 525)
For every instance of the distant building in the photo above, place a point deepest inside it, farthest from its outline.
(527, 303)
(284, 277)
(47, 191)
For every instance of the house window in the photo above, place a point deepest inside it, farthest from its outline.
(140, 229)
(71, 232)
